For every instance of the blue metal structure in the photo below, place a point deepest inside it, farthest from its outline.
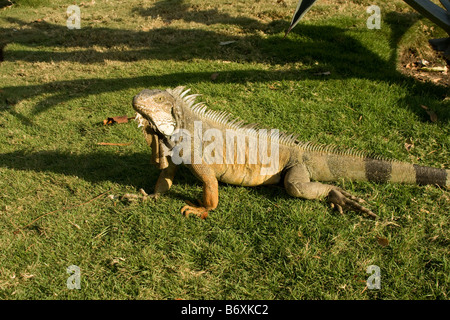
(440, 16)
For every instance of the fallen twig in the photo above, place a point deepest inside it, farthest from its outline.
(113, 144)
(60, 209)
(365, 288)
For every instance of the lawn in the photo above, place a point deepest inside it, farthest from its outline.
(332, 81)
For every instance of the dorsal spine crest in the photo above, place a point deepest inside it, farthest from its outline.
(223, 118)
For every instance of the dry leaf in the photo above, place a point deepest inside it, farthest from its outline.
(224, 43)
(117, 119)
(214, 76)
(115, 261)
(27, 275)
(408, 146)
(113, 144)
(197, 273)
(424, 62)
(325, 73)
(434, 69)
(431, 113)
(434, 238)
(382, 241)
(75, 225)
(130, 197)
(274, 86)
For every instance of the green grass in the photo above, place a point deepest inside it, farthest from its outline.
(57, 85)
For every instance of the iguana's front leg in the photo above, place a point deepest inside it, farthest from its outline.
(210, 192)
(298, 184)
(164, 181)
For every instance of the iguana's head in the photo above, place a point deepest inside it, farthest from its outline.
(156, 106)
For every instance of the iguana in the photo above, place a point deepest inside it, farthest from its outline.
(163, 114)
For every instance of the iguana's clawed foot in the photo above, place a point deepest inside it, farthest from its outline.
(340, 199)
(199, 211)
(146, 196)
(132, 197)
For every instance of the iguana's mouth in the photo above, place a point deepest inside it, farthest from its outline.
(138, 109)
(163, 129)
(141, 110)
(151, 123)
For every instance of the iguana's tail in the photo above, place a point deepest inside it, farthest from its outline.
(401, 172)
(334, 166)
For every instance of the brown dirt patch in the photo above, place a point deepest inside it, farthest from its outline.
(434, 67)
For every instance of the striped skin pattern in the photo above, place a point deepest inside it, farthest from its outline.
(303, 167)
(332, 167)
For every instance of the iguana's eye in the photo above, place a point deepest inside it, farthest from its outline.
(159, 99)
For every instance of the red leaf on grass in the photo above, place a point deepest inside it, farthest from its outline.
(117, 119)
(382, 241)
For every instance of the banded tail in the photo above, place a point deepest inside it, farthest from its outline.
(401, 172)
(329, 167)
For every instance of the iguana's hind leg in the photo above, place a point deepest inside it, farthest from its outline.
(210, 192)
(298, 184)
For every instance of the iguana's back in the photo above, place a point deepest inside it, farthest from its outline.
(216, 148)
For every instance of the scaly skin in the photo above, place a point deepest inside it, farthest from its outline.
(300, 165)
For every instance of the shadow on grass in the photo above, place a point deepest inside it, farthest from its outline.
(131, 169)
(63, 91)
(96, 167)
(330, 46)
(335, 51)
(399, 23)
(170, 10)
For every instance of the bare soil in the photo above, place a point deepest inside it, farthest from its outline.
(433, 68)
